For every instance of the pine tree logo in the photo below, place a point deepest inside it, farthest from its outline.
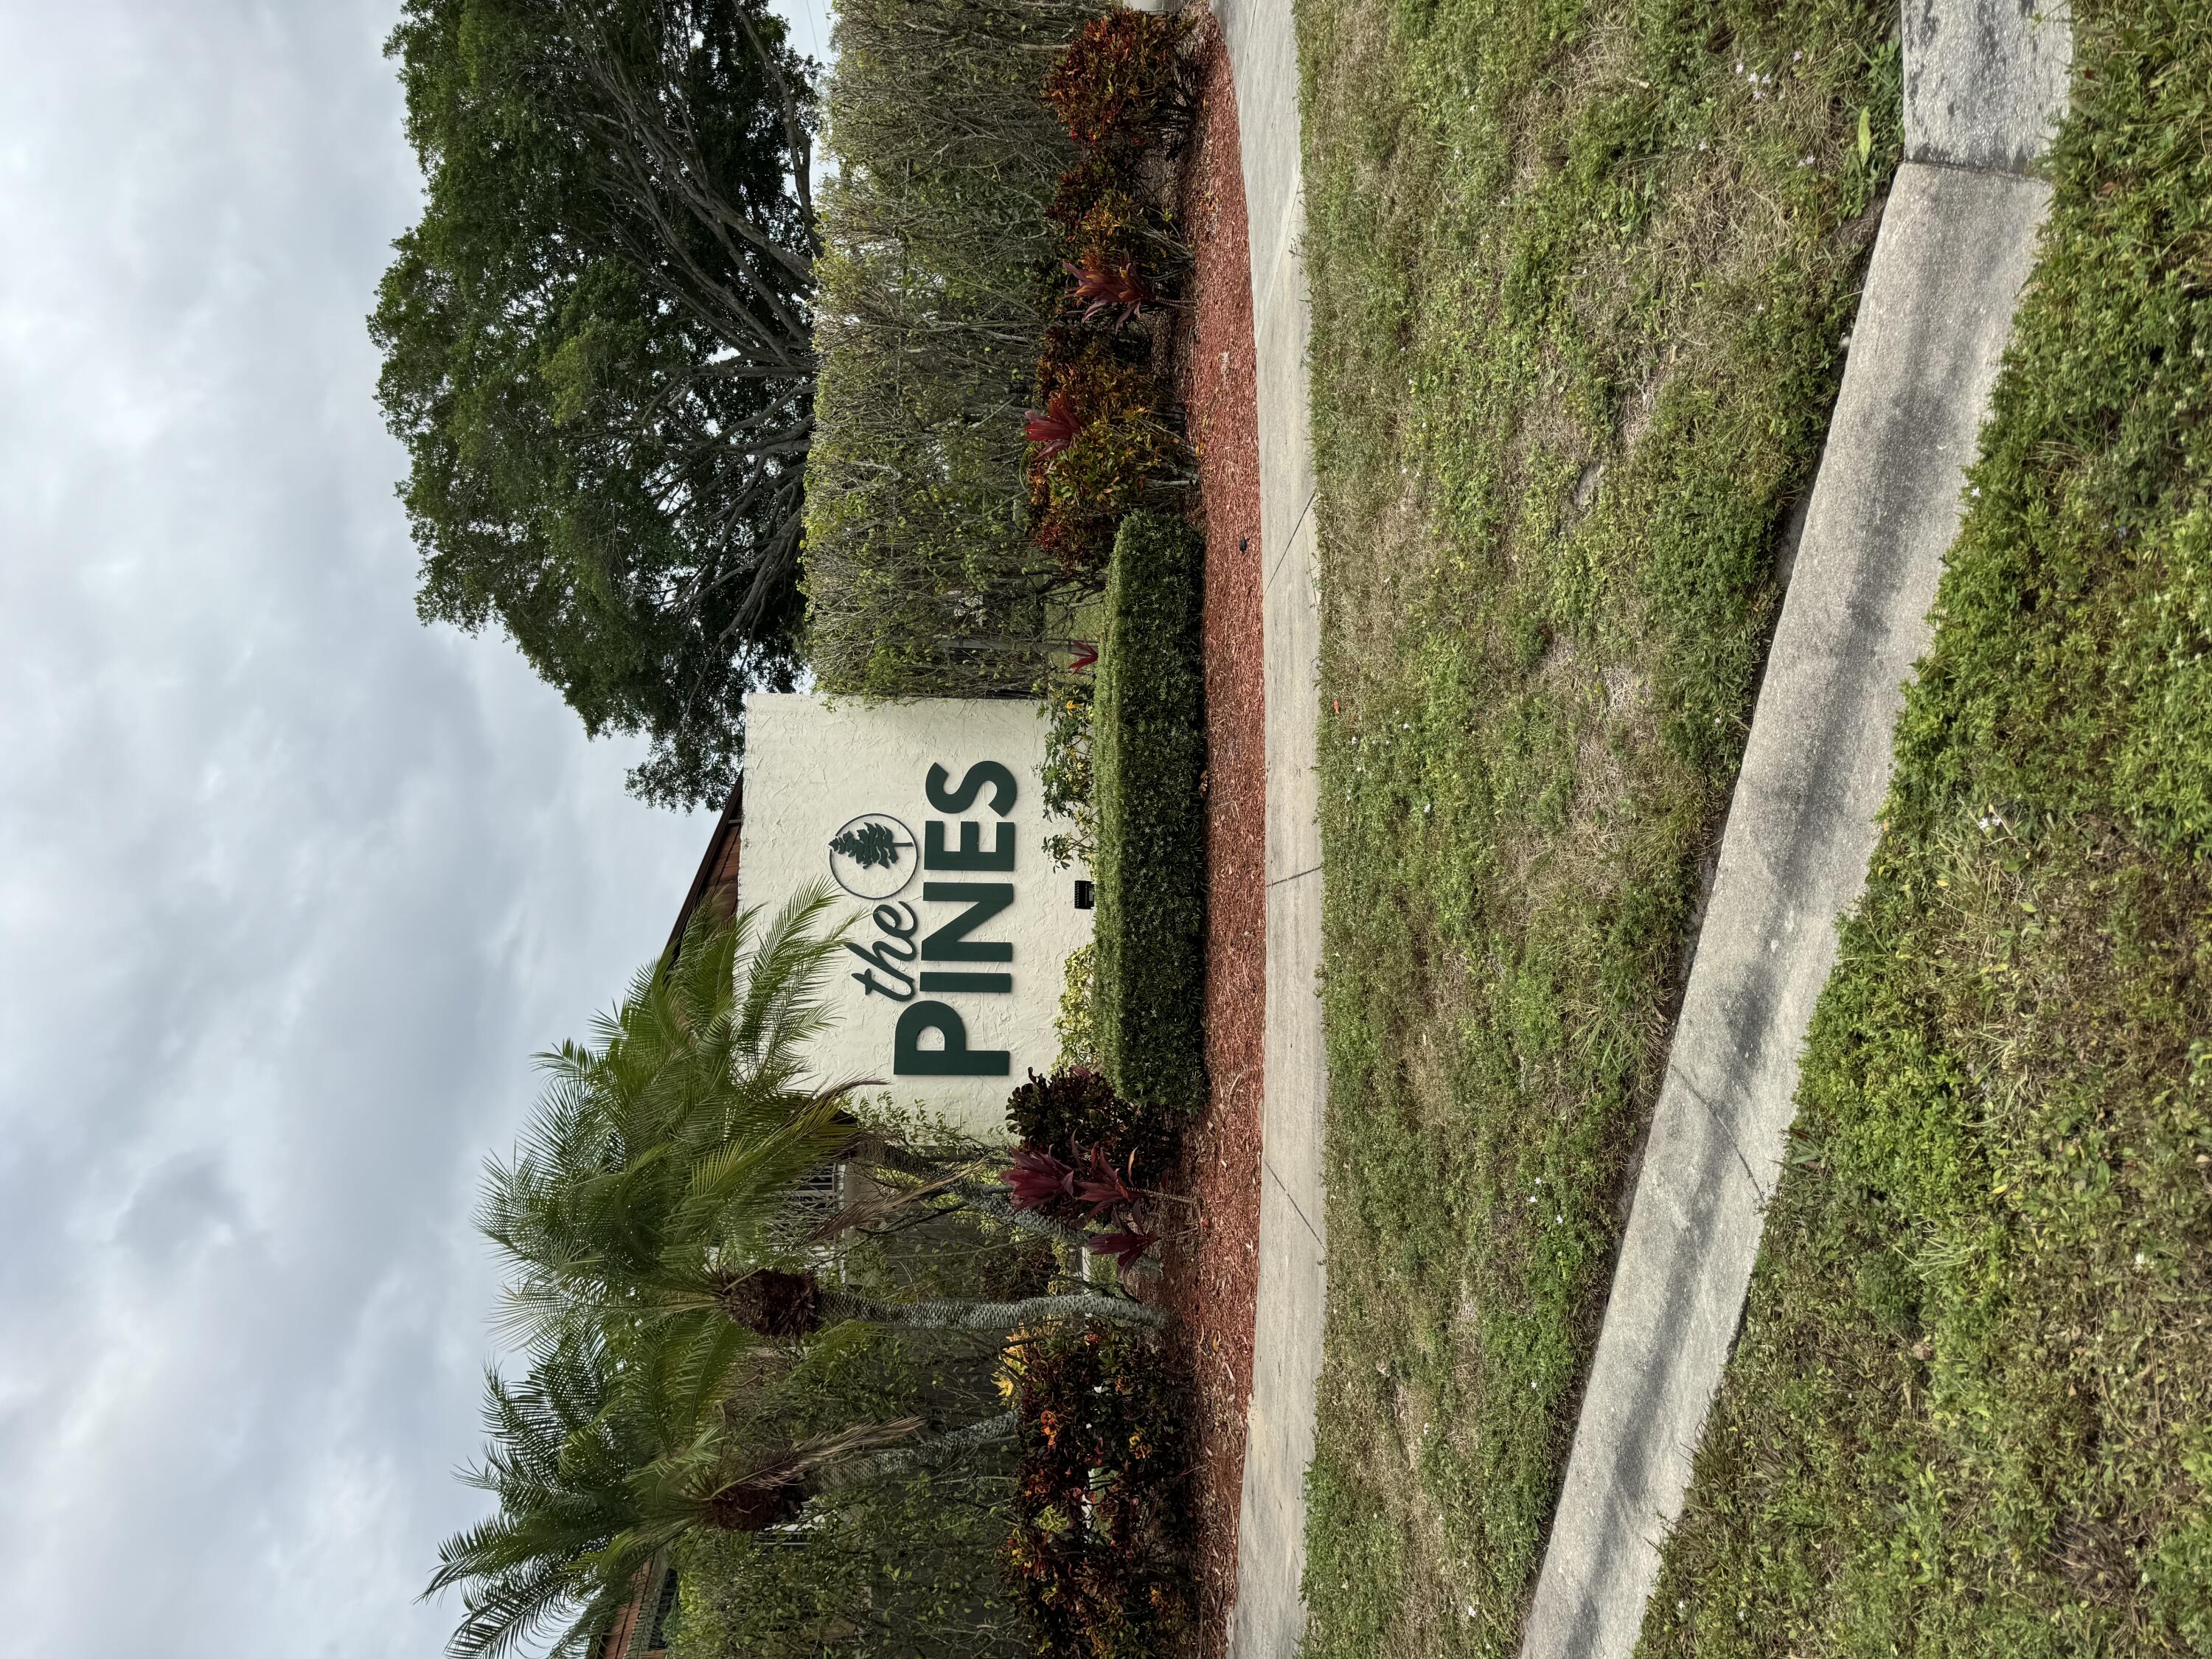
(872, 844)
(872, 857)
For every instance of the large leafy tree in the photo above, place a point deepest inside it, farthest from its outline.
(598, 351)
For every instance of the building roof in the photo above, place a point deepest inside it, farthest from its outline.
(716, 883)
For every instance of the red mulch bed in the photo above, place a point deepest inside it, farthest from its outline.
(1209, 1278)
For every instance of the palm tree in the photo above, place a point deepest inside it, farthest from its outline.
(674, 1140)
(604, 1455)
(649, 1210)
(563, 1458)
(655, 1177)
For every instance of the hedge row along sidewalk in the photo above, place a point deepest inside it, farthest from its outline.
(1972, 1408)
(1149, 726)
(1582, 272)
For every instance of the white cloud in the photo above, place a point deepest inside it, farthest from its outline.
(290, 887)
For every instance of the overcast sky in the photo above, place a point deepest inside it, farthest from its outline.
(290, 886)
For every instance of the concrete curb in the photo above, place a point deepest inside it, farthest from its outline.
(1269, 1618)
(1985, 86)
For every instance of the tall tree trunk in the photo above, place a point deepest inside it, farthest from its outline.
(992, 1202)
(786, 1306)
(983, 1199)
(988, 1315)
(887, 1152)
(934, 1453)
(777, 1498)
(871, 1146)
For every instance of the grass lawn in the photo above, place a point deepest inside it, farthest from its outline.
(1971, 1409)
(1582, 274)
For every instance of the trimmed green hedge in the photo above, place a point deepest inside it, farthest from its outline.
(1149, 752)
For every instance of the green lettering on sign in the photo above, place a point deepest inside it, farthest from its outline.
(954, 1058)
(954, 802)
(993, 984)
(984, 900)
(969, 854)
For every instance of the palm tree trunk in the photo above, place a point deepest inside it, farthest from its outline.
(990, 1202)
(872, 1146)
(938, 1450)
(789, 1306)
(837, 1305)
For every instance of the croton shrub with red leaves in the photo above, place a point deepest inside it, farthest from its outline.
(1075, 1113)
(1086, 1159)
(1098, 379)
(1099, 1558)
(1107, 222)
(1099, 441)
(1082, 186)
(1118, 229)
(1106, 472)
(1102, 438)
(1121, 85)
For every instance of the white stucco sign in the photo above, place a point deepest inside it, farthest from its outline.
(928, 818)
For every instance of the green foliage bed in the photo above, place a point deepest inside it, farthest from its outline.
(1582, 271)
(1971, 1409)
(1149, 733)
(1099, 1558)
(910, 1567)
(919, 577)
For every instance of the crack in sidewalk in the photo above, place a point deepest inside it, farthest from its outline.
(1282, 1187)
(1727, 1129)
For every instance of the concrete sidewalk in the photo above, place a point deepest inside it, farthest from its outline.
(1269, 1618)
(1984, 87)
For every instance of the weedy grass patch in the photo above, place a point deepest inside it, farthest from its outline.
(1971, 1409)
(1582, 273)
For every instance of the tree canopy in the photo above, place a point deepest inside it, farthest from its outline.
(597, 349)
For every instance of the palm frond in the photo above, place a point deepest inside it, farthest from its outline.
(565, 1447)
